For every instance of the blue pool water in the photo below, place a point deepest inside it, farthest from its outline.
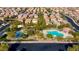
(55, 33)
(18, 34)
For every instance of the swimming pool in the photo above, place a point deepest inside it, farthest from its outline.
(19, 34)
(55, 33)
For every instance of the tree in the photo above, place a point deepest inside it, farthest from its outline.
(4, 47)
(3, 38)
(40, 35)
(24, 21)
(10, 35)
(51, 26)
(60, 27)
(14, 25)
(59, 38)
(49, 36)
(30, 31)
(75, 36)
(73, 33)
(77, 33)
(8, 29)
(74, 48)
(41, 22)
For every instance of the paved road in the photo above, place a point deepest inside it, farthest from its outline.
(2, 28)
(72, 22)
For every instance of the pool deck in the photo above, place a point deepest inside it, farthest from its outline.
(65, 34)
(45, 31)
